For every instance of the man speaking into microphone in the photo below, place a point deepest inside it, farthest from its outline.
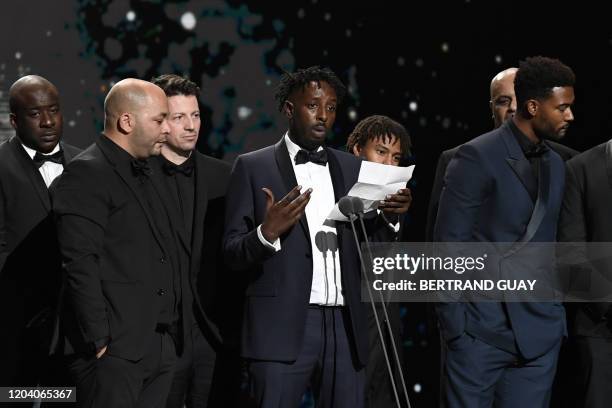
(304, 323)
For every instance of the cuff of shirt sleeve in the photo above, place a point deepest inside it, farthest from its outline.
(275, 246)
(101, 343)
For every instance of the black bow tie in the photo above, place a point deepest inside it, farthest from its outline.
(57, 157)
(141, 168)
(304, 156)
(185, 168)
(536, 150)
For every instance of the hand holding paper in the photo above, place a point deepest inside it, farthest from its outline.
(376, 182)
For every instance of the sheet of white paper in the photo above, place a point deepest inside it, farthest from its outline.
(374, 183)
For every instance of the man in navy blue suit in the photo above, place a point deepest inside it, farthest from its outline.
(507, 186)
(304, 323)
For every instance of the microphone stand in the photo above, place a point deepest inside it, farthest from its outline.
(382, 301)
(347, 208)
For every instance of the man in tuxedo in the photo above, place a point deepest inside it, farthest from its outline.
(194, 187)
(585, 217)
(30, 263)
(382, 140)
(507, 186)
(120, 257)
(503, 107)
(304, 321)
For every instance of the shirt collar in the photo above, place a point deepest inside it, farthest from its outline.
(522, 139)
(293, 148)
(32, 152)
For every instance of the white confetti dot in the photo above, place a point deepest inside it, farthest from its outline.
(301, 13)
(352, 114)
(18, 55)
(417, 388)
(413, 106)
(327, 16)
(71, 123)
(498, 59)
(130, 15)
(419, 62)
(188, 20)
(244, 112)
(444, 47)
(401, 61)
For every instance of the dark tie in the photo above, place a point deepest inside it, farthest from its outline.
(57, 157)
(304, 156)
(536, 150)
(141, 168)
(185, 168)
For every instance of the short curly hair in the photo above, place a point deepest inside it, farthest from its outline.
(174, 85)
(302, 77)
(376, 126)
(537, 76)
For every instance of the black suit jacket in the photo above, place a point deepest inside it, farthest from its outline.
(279, 284)
(565, 152)
(114, 255)
(203, 252)
(30, 264)
(586, 217)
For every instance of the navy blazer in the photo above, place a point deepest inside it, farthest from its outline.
(279, 284)
(486, 199)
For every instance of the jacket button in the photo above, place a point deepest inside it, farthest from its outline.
(161, 292)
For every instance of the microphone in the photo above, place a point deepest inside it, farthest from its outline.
(352, 208)
(347, 207)
(321, 243)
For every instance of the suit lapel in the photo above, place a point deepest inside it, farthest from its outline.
(518, 162)
(541, 205)
(69, 153)
(608, 160)
(200, 206)
(31, 172)
(288, 175)
(130, 181)
(335, 171)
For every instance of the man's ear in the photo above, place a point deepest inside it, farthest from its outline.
(532, 107)
(126, 123)
(288, 109)
(357, 149)
(13, 120)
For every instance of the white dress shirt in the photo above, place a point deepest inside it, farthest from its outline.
(49, 170)
(326, 278)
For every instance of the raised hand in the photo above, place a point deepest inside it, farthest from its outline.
(283, 214)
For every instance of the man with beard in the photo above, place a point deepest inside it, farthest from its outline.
(193, 187)
(304, 321)
(30, 263)
(119, 251)
(507, 186)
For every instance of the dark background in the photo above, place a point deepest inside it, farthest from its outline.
(425, 64)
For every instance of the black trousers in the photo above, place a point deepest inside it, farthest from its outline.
(193, 374)
(118, 383)
(325, 362)
(593, 362)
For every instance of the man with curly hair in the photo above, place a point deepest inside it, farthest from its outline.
(304, 322)
(507, 186)
(380, 139)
